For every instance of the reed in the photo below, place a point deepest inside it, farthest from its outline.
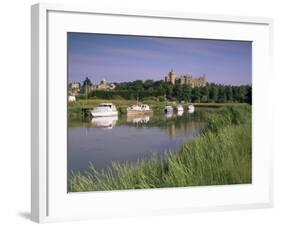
(221, 154)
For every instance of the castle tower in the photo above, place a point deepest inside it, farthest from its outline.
(172, 76)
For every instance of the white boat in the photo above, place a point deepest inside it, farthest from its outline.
(168, 109)
(105, 122)
(71, 98)
(104, 110)
(179, 108)
(138, 109)
(191, 108)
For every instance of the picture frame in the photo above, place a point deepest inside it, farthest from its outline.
(49, 198)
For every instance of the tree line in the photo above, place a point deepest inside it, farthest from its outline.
(165, 90)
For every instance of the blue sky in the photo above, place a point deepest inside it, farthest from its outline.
(119, 58)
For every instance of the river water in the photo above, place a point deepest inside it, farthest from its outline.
(102, 141)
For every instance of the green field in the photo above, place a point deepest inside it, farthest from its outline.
(221, 154)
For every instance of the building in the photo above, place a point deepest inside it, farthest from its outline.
(186, 79)
(104, 85)
(74, 88)
(171, 77)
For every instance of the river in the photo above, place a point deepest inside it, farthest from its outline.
(104, 140)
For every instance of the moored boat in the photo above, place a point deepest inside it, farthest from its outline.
(168, 109)
(180, 108)
(104, 110)
(138, 109)
(191, 108)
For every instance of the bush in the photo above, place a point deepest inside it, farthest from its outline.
(229, 115)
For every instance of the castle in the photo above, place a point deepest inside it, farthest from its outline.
(186, 80)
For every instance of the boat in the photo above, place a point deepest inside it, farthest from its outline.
(104, 110)
(71, 98)
(168, 109)
(138, 109)
(104, 122)
(179, 108)
(191, 108)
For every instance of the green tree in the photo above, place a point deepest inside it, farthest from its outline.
(249, 95)
(242, 94)
(221, 94)
(229, 93)
(204, 91)
(213, 95)
(195, 95)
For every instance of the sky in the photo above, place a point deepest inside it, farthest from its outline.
(121, 58)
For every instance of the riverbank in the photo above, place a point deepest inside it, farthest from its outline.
(220, 155)
(81, 108)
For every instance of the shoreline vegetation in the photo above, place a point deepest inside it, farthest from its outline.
(162, 91)
(81, 108)
(220, 155)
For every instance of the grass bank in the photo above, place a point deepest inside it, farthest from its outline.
(220, 155)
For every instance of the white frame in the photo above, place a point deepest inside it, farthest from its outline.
(40, 96)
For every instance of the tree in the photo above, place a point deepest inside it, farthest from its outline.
(149, 88)
(187, 92)
(213, 93)
(229, 94)
(195, 95)
(204, 91)
(221, 94)
(169, 90)
(147, 84)
(249, 95)
(242, 94)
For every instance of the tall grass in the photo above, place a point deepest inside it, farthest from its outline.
(220, 155)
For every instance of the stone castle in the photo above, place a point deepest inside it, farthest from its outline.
(186, 79)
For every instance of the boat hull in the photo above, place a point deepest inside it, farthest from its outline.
(191, 109)
(104, 114)
(168, 111)
(138, 112)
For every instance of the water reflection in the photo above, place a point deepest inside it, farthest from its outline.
(169, 114)
(179, 113)
(138, 119)
(105, 122)
(128, 138)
